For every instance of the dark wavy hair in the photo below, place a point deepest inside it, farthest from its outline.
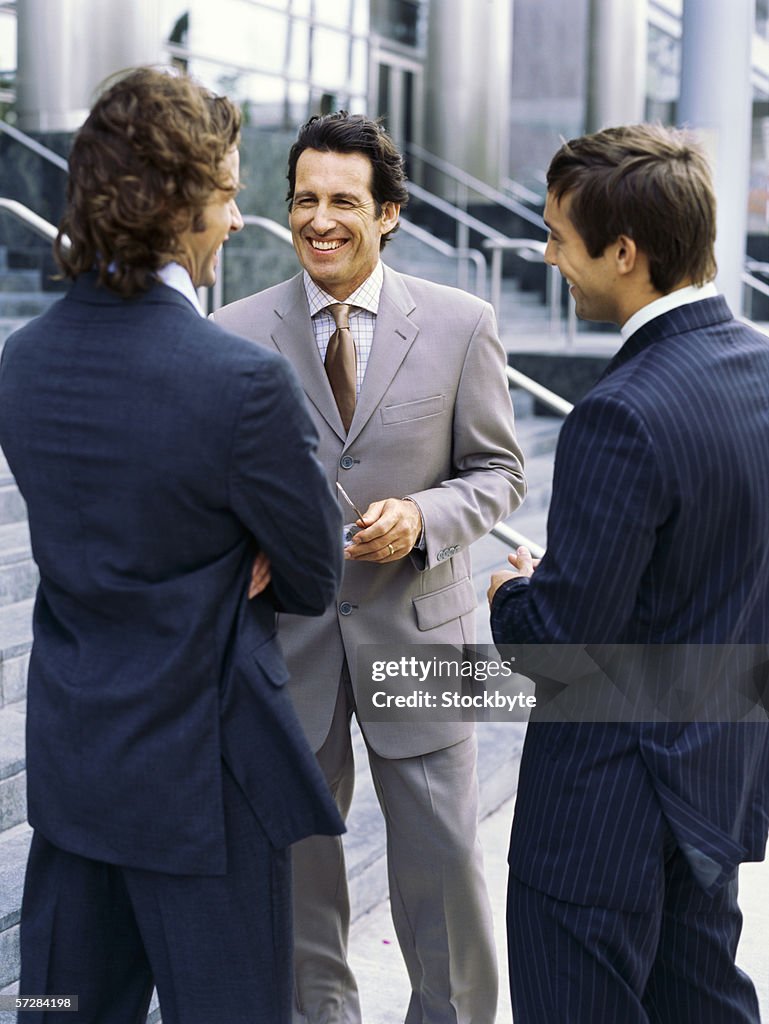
(341, 132)
(650, 183)
(141, 170)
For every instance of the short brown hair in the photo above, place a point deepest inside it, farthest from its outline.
(141, 170)
(341, 132)
(650, 183)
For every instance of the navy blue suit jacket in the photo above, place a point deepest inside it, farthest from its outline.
(658, 533)
(157, 453)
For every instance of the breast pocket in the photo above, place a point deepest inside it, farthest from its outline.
(420, 409)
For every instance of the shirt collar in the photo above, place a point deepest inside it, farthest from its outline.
(365, 296)
(175, 276)
(680, 297)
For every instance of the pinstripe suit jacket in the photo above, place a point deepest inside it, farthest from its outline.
(658, 533)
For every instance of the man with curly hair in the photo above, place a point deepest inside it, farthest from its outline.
(159, 456)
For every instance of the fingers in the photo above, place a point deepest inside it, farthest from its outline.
(261, 575)
(521, 560)
(391, 528)
(523, 565)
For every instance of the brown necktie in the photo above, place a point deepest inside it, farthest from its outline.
(341, 361)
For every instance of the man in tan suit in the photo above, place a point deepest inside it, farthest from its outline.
(405, 380)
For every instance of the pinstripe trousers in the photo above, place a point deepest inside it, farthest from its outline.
(572, 964)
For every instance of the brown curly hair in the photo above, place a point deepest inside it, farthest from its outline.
(141, 170)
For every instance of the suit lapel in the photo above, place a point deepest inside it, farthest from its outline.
(394, 335)
(293, 336)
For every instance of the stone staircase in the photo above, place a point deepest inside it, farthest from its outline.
(18, 579)
(499, 743)
(21, 297)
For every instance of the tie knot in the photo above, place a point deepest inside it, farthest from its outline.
(341, 313)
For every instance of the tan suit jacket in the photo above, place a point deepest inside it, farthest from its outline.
(433, 421)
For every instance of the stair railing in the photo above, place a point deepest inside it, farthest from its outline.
(34, 146)
(498, 246)
(31, 220)
(510, 537)
(466, 183)
(755, 283)
(464, 223)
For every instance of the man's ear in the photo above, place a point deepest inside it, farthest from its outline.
(625, 254)
(389, 216)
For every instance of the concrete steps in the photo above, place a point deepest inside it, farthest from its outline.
(20, 299)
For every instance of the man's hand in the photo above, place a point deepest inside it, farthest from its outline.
(390, 529)
(524, 565)
(260, 575)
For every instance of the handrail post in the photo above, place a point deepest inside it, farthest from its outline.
(571, 323)
(217, 294)
(496, 277)
(463, 239)
(463, 245)
(553, 297)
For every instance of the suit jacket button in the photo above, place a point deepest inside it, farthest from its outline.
(345, 608)
(347, 462)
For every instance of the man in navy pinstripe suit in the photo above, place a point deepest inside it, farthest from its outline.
(622, 901)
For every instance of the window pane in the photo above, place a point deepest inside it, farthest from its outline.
(333, 12)
(329, 58)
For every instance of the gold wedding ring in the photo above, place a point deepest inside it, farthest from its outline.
(392, 550)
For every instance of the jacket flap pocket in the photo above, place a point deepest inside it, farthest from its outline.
(413, 410)
(269, 659)
(445, 604)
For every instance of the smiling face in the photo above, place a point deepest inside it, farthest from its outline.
(593, 282)
(334, 222)
(199, 250)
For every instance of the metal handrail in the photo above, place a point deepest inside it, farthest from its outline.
(464, 221)
(755, 284)
(474, 255)
(527, 194)
(542, 394)
(514, 539)
(476, 185)
(272, 227)
(32, 220)
(553, 281)
(34, 146)
(459, 215)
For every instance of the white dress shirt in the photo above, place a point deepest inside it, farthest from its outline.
(680, 297)
(176, 277)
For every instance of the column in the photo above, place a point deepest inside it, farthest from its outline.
(66, 48)
(468, 75)
(617, 58)
(716, 100)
